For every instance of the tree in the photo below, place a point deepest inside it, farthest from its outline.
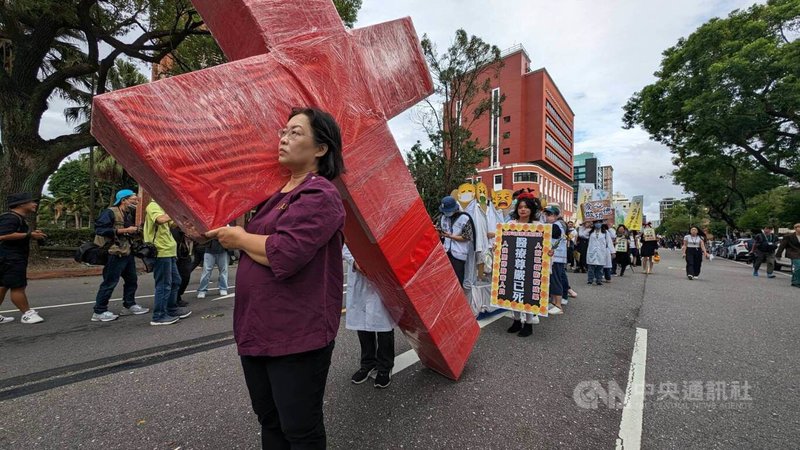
(202, 51)
(724, 184)
(70, 50)
(462, 96)
(732, 87)
(67, 50)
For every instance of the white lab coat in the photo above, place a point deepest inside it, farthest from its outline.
(365, 310)
(600, 248)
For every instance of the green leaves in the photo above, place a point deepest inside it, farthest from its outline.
(731, 86)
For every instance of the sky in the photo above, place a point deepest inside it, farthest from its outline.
(598, 52)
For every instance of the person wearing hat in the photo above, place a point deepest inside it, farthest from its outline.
(115, 227)
(15, 243)
(456, 232)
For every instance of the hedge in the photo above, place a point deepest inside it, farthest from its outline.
(67, 237)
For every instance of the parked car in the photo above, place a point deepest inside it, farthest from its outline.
(740, 250)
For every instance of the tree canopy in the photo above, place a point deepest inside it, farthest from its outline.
(731, 88)
(462, 78)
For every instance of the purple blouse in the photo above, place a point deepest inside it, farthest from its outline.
(295, 304)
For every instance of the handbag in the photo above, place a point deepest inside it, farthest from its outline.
(656, 257)
(91, 253)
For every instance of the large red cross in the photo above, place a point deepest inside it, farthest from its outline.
(204, 145)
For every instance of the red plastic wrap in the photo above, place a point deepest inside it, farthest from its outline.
(204, 145)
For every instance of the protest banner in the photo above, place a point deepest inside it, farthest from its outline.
(521, 272)
(649, 234)
(634, 219)
(598, 210)
(585, 192)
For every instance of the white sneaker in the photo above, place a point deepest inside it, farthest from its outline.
(107, 316)
(223, 293)
(535, 320)
(201, 294)
(554, 310)
(31, 316)
(564, 301)
(135, 310)
(4, 319)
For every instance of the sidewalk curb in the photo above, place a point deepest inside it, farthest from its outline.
(65, 273)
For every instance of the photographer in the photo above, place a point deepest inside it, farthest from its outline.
(15, 243)
(115, 228)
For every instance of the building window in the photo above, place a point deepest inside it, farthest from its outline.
(557, 145)
(495, 129)
(526, 177)
(477, 180)
(507, 119)
(506, 135)
(498, 182)
(552, 110)
(558, 131)
(506, 151)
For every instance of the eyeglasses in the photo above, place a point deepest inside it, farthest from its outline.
(292, 133)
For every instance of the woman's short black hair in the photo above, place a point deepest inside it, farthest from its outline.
(532, 203)
(326, 131)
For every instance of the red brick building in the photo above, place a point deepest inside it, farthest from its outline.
(531, 142)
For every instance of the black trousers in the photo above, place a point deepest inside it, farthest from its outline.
(185, 267)
(377, 350)
(694, 259)
(287, 393)
(459, 266)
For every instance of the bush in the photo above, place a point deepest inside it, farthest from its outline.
(67, 237)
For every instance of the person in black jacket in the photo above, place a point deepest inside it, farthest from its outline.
(764, 245)
(115, 227)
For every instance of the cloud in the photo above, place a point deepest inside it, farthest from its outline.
(599, 54)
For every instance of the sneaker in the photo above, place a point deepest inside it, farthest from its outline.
(135, 310)
(201, 294)
(31, 316)
(383, 380)
(564, 301)
(182, 303)
(590, 282)
(697, 277)
(572, 293)
(361, 376)
(181, 313)
(515, 327)
(769, 275)
(755, 274)
(555, 310)
(4, 319)
(599, 283)
(535, 320)
(692, 278)
(107, 316)
(166, 320)
(526, 331)
(223, 293)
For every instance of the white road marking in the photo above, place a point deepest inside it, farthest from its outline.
(630, 427)
(38, 308)
(409, 358)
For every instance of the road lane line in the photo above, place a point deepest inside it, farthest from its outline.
(630, 427)
(38, 308)
(409, 358)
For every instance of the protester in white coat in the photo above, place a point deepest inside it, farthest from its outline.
(599, 250)
(367, 315)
